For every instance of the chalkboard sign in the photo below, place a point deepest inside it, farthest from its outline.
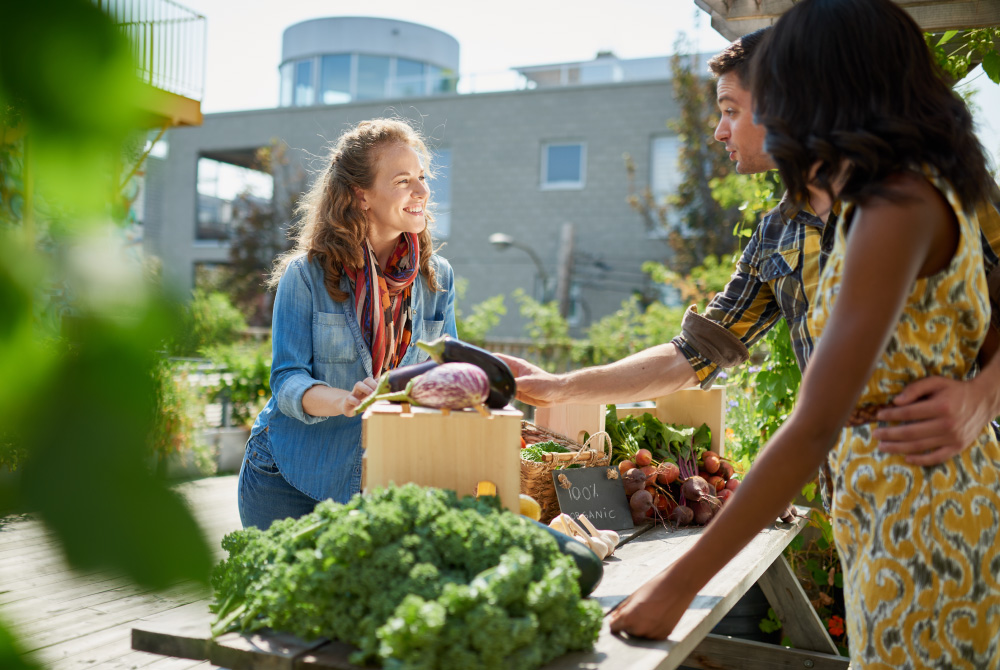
(597, 493)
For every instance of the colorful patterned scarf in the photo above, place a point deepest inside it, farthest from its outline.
(387, 327)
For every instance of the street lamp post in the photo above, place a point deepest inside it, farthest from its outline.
(503, 241)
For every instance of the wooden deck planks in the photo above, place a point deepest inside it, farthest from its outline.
(69, 620)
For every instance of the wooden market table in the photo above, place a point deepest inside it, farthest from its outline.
(184, 632)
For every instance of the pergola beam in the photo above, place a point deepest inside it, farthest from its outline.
(733, 18)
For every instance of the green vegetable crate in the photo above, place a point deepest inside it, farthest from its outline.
(454, 449)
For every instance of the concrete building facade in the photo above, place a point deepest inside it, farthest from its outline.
(524, 163)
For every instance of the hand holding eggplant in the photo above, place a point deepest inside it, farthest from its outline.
(447, 349)
(361, 390)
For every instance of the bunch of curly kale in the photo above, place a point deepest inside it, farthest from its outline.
(412, 576)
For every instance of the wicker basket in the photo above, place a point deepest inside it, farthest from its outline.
(536, 478)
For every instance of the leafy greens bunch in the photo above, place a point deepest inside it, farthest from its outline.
(666, 442)
(415, 578)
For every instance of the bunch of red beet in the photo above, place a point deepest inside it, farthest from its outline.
(687, 492)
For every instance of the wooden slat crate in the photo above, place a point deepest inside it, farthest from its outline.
(452, 450)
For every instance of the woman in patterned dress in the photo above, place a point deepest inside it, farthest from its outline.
(902, 297)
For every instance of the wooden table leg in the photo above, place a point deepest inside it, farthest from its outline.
(799, 619)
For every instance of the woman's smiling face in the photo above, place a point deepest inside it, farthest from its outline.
(396, 200)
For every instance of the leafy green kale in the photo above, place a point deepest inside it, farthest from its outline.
(412, 576)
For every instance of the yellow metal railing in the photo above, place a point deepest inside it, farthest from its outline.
(168, 43)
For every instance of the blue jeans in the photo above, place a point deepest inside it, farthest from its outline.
(264, 495)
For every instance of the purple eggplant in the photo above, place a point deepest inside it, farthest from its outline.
(444, 386)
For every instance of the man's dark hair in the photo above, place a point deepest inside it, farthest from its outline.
(877, 100)
(736, 57)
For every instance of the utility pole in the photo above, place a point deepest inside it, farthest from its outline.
(564, 268)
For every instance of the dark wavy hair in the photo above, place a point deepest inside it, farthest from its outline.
(853, 80)
(736, 57)
(332, 227)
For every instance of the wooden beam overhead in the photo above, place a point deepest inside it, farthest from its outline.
(733, 18)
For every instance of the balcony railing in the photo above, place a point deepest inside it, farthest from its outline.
(168, 43)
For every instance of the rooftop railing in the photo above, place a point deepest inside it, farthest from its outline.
(168, 43)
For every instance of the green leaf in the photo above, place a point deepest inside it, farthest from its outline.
(991, 65)
(771, 623)
(809, 491)
(11, 654)
(89, 473)
(947, 37)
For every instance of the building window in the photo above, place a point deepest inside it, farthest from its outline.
(221, 187)
(304, 91)
(410, 80)
(335, 79)
(664, 175)
(373, 76)
(441, 193)
(563, 165)
(287, 84)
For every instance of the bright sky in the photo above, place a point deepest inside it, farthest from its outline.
(244, 40)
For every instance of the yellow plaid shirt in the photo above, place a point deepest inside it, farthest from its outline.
(777, 275)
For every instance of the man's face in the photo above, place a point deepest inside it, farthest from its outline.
(744, 139)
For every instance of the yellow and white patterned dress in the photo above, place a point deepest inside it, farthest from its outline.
(920, 546)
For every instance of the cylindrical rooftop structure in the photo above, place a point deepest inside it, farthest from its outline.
(342, 59)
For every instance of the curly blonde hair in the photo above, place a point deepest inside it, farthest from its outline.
(332, 227)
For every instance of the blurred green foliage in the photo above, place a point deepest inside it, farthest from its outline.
(209, 320)
(82, 329)
(245, 385)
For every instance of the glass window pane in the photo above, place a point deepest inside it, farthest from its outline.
(441, 192)
(409, 79)
(564, 163)
(373, 75)
(304, 93)
(335, 79)
(664, 176)
(441, 81)
(287, 84)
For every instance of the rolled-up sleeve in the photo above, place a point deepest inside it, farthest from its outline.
(733, 321)
(292, 343)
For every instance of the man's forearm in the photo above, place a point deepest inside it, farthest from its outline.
(648, 374)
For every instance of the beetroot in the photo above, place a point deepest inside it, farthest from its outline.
(726, 470)
(702, 511)
(681, 515)
(710, 461)
(635, 480)
(641, 501)
(733, 484)
(695, 489)
(667, 473)
(643, 457)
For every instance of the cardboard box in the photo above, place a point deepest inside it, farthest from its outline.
(445, 449)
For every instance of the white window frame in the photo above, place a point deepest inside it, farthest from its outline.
(563, 185)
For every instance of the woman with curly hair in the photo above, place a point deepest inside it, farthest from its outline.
(855, 110)
(362, 284)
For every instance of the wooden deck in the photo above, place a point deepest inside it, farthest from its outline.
(67, 620)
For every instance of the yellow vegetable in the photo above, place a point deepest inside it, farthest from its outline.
(486, 488)
(530, 507)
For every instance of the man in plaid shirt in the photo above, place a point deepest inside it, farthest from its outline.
(775, 277)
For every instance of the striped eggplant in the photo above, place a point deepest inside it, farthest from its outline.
(450, 386)
(444, 386)
(447, 349)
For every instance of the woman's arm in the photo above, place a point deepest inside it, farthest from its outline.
(298, 393)
(887, 250)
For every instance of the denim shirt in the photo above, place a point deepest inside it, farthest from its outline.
(316, 340)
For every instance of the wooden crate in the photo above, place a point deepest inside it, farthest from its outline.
(573, 421)
(452, 450)
(691, 407)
